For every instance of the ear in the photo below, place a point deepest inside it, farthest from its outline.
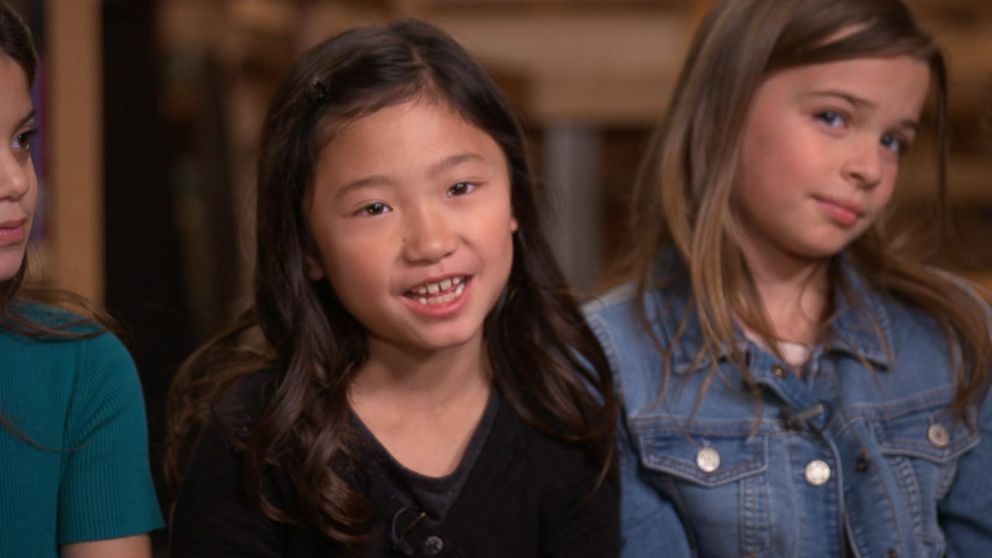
(312, 267)
(513, 224)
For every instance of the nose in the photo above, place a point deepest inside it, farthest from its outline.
(429, 235)
(16, 174)
(863, 164)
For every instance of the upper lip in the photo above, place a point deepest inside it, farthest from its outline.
(13, 223)
(851, 206)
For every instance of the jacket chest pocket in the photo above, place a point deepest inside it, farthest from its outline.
(717, 480)
(922, 448)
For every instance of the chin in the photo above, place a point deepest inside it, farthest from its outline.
(8, 269)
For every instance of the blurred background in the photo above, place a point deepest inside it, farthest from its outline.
(151, 110)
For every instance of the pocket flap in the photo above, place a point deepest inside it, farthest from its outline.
(724, 458)
(930, 435)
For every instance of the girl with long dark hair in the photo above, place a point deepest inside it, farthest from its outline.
(413, 378)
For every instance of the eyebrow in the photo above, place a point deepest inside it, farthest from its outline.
(27, 118)
(434, 170)
(453, 161)
(860, 103)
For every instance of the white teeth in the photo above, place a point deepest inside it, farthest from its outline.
(443, 299)
(426, 293)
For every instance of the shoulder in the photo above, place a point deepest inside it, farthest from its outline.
(617, 305)
(631, 326)
(619, 316)
(89, 362)
(550, 460)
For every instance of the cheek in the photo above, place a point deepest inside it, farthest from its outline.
(30, 200)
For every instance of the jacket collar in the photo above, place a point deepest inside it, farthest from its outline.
(859, 327)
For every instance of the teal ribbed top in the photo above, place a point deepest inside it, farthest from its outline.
(75, 467)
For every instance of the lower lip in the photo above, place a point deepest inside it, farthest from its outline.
(443, 309)
(838, 214)
(12, 236)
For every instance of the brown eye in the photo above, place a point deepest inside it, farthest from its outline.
(461, 188)
(22, 141)
(376, 208)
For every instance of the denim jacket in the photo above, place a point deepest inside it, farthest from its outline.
(857, 457)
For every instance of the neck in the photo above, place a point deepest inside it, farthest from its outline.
(793, 290)
(421, 379)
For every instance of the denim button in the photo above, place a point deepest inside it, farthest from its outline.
(938, 436)
(779, 371)
(708, 460)
(817, 472)
(861, 465)
(433, 545)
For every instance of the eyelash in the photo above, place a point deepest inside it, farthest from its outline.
(465, 187)
(373, 209)
(829, 117)
(457, 189)
(900, 146)
(22, 141)
(889, 141)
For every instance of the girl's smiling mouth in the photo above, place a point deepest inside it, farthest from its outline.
(441, 294)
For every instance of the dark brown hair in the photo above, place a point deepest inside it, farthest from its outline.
(683, 198)
(546, 362)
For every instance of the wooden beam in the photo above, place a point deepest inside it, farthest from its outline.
(75, 146)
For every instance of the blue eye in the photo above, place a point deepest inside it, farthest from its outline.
(374, 208)
(894, 144)
(462, 188)
(22, 141)
(832, 118)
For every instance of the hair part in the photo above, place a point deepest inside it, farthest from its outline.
(536, 335)
(683, 196)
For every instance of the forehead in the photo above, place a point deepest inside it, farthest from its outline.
(402, 138)
(15, 99)
(890, 84)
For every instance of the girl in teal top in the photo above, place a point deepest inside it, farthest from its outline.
(74, 475)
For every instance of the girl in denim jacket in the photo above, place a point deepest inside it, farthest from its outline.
(793, 382)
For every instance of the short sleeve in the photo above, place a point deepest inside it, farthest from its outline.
(106, 488)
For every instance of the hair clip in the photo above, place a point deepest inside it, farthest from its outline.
(318, 91)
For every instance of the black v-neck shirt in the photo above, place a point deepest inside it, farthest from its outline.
(525, 495)
(434, 495)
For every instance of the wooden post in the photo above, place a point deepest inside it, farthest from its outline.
(75, 148)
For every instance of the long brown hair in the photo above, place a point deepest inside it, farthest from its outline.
(536, 336)
(683, 197)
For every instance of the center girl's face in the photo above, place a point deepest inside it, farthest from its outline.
(411, 217)
(18, 184)
(821, 150)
